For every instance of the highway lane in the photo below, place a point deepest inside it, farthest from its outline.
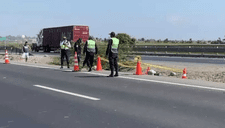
(184, 59)
(122, 103)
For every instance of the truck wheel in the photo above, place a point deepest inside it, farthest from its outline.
(45, 49)
(48, 49)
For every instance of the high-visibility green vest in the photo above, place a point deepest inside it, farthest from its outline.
(115, 44)
(64, 47)
(91, 46)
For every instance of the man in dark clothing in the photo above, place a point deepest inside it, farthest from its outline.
(77, 47)
(90, 48)
(112, 53)
(26, 50)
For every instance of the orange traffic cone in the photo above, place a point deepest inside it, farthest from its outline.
(184, 74)
(99, 65)
(148, 69)
(138, 69)
(6, 57)
(76, 66)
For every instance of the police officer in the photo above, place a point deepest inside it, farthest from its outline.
(112, 53)
(65, 45)
(90, 48)
(77, 48)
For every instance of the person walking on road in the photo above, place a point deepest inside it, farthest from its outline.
(112, 53)
(77, 48)
(26, 51)
(65, 45)
(90, 48)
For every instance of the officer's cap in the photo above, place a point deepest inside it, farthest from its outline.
(112, 33)
(90, 38)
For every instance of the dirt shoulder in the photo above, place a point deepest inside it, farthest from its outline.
(197, 71)
(206, 72)
(31, 59)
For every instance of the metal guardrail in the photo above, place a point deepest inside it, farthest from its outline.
(179, 49)
(179, 54)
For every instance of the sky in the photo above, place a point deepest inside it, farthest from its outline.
(149, 19)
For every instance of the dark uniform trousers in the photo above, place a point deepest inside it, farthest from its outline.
(78, 58)
(64, 53)
(89, 59)
(113, 62)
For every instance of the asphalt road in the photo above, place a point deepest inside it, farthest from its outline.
(49, 98)
(184, 59)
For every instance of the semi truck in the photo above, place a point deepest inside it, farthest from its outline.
(49, 39)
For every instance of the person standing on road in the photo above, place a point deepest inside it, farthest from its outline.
(26, 51)
(77, 48)
(112, 53)
(90, 48)
(65, 45)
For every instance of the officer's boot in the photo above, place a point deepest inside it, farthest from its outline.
(68, 66)
(116, 72)
(111, 75)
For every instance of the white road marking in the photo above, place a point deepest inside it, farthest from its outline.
(164, 82)
(66, 92)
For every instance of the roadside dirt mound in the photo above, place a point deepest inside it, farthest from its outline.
(207, 72)
(31, 59)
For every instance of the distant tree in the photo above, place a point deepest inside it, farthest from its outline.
(142, 39)
(124, 38)
(219, 40)
(198, 42)
(173, 41)
(214, 42)
(133, 40)
(190, 40)
(166, 40)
